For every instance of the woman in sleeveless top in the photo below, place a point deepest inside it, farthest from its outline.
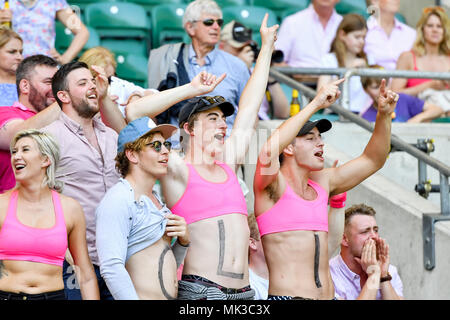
(10, 58)
(431, 52)
(38, 225)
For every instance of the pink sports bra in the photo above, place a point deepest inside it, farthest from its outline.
(291, 212)
(203, 199)
(24, 243)
(412, 82)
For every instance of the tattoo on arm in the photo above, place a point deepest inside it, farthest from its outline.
(2, 270)
(160, 273)
(220, 270)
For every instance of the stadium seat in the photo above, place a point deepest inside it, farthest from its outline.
(148, 5)
(81, 4)
(64, 38)
(352, 6)
(120, 24)
(279, 6)
(167, 24)
(251, 17)
(132, 67)
(227, 3)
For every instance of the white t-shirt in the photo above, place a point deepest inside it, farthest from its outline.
(123, 89)
(260, 285)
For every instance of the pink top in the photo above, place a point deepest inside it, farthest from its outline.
(414, 82)
(306, 48)
(14, 112)
(25, 243)
(203, 199)
(292, 212)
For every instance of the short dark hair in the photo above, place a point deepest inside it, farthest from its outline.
(367, 81)
(356, 209)
(59, 81)
(27, 66)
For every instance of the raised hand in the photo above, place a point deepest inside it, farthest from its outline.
(205, 82)
(328, 94)
(268, 34)
(387, 99)
(101, 81)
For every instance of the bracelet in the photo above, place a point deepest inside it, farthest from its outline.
(272, 82)
(387, 278)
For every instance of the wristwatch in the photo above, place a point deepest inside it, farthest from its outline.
(386, 278)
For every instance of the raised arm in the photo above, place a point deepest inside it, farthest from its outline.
(154, 104)
(345, 177)
(252, 95)
(81, 34)
(43, 118)
(268, 165)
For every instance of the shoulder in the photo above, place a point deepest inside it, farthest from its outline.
(230, 59)
(72, 210)
(117, 197)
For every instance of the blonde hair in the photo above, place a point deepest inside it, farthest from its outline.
(6, 35)
(48, 148)
(419, 44)
(351, 22)
(98, 56)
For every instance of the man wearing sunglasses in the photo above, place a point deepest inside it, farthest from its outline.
(202, 22)
(134, 227)
(203, 187)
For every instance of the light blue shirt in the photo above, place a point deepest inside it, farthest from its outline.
(218, 62)
(124, 227)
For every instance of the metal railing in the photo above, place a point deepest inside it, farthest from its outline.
(281, 75)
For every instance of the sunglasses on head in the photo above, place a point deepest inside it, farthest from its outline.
(212, 100)
(210, 22)
(157, 145)
(430, 9)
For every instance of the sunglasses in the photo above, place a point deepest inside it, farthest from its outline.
(430, 9)
(211, 100)
(157, 145)
(210, 22)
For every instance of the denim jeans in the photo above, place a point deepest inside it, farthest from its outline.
(72, 288)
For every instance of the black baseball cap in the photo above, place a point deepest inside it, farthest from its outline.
(322, 125)
(203, 103)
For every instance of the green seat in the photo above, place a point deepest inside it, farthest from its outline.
(64, 38)
(132, 67)
(251, 17)
(352, 6)
(120, 21)
(81, 5)
(148, 5)
(167, 24)
(227, 3)
(280, 6)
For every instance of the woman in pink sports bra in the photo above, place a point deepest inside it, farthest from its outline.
(38, 225)
(430, 52)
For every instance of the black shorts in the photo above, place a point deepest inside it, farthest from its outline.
(52, 295)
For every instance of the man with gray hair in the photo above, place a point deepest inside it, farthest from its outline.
(180, 62)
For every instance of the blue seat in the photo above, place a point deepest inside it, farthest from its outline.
(132, 67)
(64, 38)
